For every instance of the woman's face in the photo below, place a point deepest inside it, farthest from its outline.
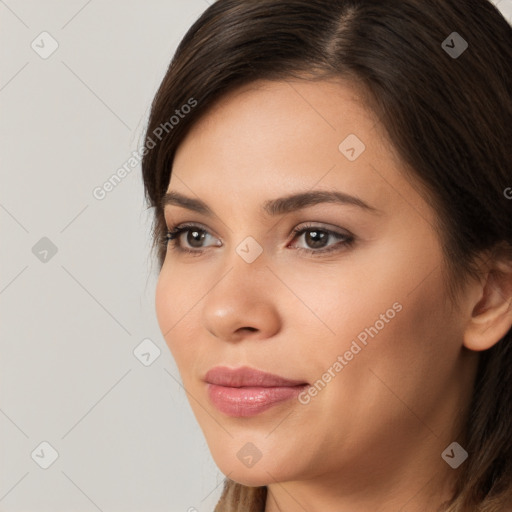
(364, 324)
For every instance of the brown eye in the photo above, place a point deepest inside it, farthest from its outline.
(191, 243)
(317, 238)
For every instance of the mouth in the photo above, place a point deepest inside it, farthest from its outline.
(244, 392)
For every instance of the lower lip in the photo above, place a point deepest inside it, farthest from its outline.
(249, 401)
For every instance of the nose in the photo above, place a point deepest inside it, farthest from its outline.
(243, 303)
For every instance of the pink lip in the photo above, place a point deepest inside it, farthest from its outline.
(245, 376)
(244, 391)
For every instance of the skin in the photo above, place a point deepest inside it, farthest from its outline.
(372, 438)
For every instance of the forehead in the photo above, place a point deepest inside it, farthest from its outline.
(270, 138)
(263, 111)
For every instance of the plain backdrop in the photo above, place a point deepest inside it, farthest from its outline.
(92, 414)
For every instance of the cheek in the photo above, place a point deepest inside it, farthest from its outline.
(389, 374)
(403, 364)
(392, 322)
(178, 300)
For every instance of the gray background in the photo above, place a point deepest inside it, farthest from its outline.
(124, 433)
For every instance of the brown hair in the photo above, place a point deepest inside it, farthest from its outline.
(449, 117)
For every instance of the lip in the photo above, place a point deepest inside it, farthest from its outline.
(244, 391)
(245, 376)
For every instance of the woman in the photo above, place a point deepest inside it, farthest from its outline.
(331, 183)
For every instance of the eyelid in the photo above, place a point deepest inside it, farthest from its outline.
(189, 226)
(347, 238)
(304, 225)
(322, 227)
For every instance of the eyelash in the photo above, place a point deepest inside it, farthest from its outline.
(171, 239)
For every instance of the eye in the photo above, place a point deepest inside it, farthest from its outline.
(314, 236)
(318, 237)
(195, 236)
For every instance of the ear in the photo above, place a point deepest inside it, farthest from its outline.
(491, 317)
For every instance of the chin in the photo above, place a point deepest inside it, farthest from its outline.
(249, 477)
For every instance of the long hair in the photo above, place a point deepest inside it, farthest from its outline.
(447, 110)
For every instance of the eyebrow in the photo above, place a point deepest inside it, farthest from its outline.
(274, 207)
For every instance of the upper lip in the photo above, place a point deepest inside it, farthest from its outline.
(245, 376)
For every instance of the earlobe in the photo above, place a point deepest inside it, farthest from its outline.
(491, 317)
